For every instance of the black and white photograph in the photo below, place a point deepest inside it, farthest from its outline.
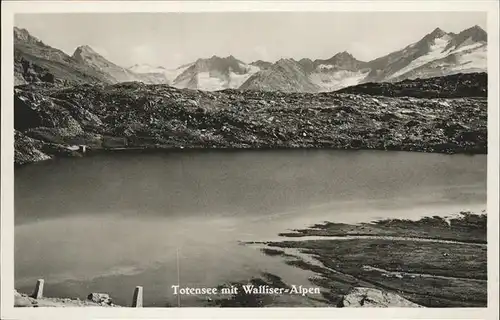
(259, 159)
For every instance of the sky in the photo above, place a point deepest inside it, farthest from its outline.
(174, 39)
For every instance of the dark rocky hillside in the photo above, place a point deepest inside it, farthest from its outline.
(51, 120)
(36, 62)
(453, 86)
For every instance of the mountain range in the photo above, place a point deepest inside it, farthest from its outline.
(438, 53)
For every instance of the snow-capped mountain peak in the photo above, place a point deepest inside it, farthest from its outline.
(468, 36)
(342, 60)
(429, 42)
(215, 73)
(339, 71)
(437, 53)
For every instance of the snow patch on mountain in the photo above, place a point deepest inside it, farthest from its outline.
(207, 83)
(172, 74)
(468, 47)
(473, 59)
(464, 59)
(436, 51)
(214, 73)
(326, 66)
(330, 81)
(236, 80)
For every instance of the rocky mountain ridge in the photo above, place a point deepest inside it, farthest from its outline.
(36, 62)
(87, 56)
(438, 53)
(285, 75)
(453, 86)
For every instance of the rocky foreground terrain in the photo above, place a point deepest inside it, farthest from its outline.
(54, 120)
(356, 298)
(454, 86)
(432, 262)
(22, 300)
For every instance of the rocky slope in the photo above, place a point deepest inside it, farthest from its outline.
(36, 62)
(305, 75)
(457, 85)
(50, 120)
(286, 75)
(85, 55)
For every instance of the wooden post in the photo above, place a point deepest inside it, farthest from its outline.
(38, 293)
(137, 300)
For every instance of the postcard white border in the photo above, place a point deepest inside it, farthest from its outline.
(7, 155)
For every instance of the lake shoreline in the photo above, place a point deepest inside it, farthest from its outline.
(409, 267)
(65, 152)
(346, 269)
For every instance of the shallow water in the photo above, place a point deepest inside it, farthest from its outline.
(110, 222)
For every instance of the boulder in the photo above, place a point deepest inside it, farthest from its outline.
(101, 298)
(374, 298)
(22, 300)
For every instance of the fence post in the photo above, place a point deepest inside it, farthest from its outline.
(137, 300)
(38, 293)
